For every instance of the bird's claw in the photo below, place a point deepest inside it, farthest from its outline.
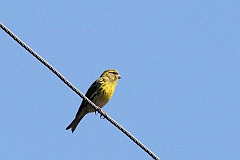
(102, 116)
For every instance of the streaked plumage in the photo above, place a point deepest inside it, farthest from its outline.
(100, 92)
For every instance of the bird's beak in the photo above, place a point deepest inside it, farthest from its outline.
(119, 76)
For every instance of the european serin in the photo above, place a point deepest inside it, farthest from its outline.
(99, 93)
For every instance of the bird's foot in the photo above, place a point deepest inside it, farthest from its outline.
(102, 116)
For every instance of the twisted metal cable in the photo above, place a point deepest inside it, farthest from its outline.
(59, 75)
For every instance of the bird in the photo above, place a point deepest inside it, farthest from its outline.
(100, 92)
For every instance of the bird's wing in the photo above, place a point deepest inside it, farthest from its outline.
(91, 93)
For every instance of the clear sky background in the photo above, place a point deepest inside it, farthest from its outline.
(179, 95)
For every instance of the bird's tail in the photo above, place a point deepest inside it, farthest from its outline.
(74, 123)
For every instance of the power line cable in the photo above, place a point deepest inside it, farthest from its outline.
(59, 75)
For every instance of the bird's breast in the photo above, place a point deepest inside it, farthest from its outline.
(105, 96)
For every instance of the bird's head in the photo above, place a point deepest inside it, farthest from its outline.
(112, 74)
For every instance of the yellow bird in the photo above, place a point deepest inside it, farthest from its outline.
(100, 92)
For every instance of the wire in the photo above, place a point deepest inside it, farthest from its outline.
(59, 75)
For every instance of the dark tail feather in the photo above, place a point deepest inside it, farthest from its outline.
(74, 123)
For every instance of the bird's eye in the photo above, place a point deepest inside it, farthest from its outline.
(114, 73)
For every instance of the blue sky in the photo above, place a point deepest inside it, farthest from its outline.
(179, 94)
